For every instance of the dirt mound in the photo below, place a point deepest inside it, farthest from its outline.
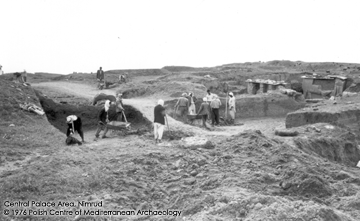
(22, 132)
(136, 92)
(102, 96)
(355, 87)
(336, 144)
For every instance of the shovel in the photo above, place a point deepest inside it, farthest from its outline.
(127, 123)
(170, 132)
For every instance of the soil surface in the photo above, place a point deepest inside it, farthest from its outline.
(242, 172)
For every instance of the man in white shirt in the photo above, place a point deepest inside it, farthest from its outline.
(1, 71)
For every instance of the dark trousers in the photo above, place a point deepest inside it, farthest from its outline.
(100, 128)
(215, 116)
(204, 118)
(77, 128)
(120, 116)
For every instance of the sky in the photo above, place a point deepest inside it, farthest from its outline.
(66, 36)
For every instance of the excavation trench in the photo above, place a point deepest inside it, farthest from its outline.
(56, 114)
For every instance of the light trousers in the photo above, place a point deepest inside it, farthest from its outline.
(158, 130)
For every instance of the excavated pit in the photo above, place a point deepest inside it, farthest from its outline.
(337, 144)
(56, 114)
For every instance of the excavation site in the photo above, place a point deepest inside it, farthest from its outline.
(278, 142)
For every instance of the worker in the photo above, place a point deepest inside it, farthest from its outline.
(204, 112)
(182, 105)
(159, 121)
(119, 108)
(192, 99)
(209, 96)
(215, 105)
(103, 120)
(232, 107)
(75, 125)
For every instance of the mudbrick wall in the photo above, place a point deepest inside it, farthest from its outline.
(348, 116)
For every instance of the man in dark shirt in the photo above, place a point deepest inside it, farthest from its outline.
(103, 119)
(182, 106)
(100, 77)
(159, 121)
(204, 111)
(75, 125)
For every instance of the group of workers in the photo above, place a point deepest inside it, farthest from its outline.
(208, 109)
(75, 125)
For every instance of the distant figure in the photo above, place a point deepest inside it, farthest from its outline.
(100, 74)
(75, 125)
(204, 111)
(1, 71)
(103, 120)
(192, 99)
(119, 108)
(100, 77)
(122, 78)
(215, 105)
(182, 105)
(232, 107)
(159, 121)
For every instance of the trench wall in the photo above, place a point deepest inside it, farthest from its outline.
(348, 116)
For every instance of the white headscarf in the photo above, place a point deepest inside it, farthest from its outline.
(71, 118)
(205, 99)
(161, 102)
(107, 105)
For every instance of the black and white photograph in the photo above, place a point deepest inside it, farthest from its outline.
(169, 110)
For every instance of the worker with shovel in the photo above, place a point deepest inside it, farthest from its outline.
(74, 125)
(159, 121)
(103, 118)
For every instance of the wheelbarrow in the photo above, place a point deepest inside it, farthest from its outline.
(193, 117)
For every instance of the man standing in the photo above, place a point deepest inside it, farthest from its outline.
(100, 76)
(103, 118)
(215, 105)
(182, 105)
(119, 108)
(74, 125)
(192, 99)
(159, 121)
(232, 107)
(209, 96)
(204, 111)
(1, 71)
